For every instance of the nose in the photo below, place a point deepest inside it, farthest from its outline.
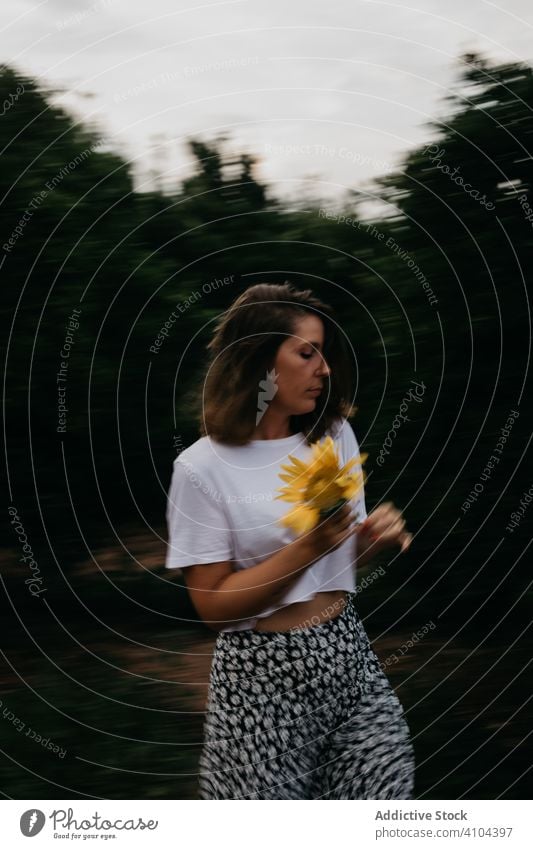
(323, 368)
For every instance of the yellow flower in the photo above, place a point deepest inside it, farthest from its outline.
(318, 486)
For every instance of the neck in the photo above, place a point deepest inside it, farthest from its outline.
(273, 428)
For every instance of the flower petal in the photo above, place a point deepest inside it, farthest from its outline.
(301, 519)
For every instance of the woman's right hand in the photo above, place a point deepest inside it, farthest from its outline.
(329, 533)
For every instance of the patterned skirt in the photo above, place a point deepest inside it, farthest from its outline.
(304, 714)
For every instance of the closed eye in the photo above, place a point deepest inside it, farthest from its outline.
(307, 356)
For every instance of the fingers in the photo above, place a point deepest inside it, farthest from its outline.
(386, 526)
(345, 525)
(406, 541)
(384, 515)
(342, 524)
(391, 527)
(343, 516)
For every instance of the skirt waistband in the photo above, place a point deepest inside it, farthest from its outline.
(294, 635)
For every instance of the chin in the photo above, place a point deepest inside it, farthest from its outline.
(306, 406)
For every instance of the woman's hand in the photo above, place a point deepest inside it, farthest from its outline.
(328, 534)
(383, 528)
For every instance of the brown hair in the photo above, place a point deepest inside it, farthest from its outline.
(244, 345)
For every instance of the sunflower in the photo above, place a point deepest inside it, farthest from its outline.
(319, 487)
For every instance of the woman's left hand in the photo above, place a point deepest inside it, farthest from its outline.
(384, 527)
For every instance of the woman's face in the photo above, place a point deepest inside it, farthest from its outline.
(300, 367)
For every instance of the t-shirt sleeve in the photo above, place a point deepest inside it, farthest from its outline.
(198, 531)
(350, 448)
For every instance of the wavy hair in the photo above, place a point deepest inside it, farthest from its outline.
(244, 346)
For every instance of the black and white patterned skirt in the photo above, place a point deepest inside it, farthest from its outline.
(304, 714)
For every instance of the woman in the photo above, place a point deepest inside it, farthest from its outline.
(298, 706)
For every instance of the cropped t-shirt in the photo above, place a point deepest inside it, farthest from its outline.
(221, 507)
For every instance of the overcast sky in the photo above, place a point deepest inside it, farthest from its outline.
(332, 92)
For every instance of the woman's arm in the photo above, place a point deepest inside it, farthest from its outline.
(221, 595)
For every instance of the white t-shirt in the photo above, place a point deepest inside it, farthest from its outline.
(221, 507)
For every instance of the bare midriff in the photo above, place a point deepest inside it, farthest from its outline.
(305, 614)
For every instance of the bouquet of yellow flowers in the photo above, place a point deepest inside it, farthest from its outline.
(318, 488)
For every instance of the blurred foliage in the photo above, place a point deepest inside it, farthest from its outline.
(127, 259)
